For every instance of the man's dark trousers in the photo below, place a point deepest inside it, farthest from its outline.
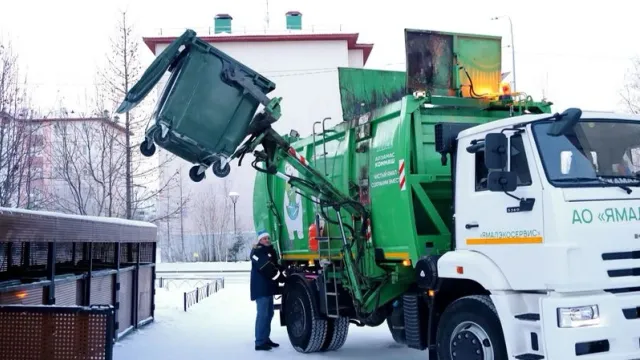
(263, 319)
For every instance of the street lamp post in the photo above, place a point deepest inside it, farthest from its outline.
(513, 49)
(234, 198)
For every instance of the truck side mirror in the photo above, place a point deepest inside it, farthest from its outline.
(503, 181)
(496, 151)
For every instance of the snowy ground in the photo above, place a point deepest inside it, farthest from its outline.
(204, 266)
(223, 325)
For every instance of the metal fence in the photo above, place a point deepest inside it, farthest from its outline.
(176, 283)
(200, 293)
(56, 332)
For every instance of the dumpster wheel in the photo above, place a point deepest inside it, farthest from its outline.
(220, 171)
(195, 174)
(147, 148)
(159, 139)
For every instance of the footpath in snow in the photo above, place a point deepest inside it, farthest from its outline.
(223, 325)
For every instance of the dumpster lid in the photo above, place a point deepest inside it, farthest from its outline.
(154, 72)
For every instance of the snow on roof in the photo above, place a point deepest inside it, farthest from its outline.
(285, 35)
(30, 225)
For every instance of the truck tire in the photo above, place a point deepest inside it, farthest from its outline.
(337, 331)
(306, 330)
(395, 321)
(470, 327)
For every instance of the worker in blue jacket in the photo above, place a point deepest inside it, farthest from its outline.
(266, 274)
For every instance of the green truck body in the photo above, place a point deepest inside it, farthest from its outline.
(401, 181)
(383, 154)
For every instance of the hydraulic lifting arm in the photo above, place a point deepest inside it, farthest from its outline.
(310, 182)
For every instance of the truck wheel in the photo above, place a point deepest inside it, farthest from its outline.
(395, 321)
(220, 171)
(337, 331)
(147, 148)
(193, 174)
(306, 330)
(470, 329)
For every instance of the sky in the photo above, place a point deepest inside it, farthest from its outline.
(571, 53)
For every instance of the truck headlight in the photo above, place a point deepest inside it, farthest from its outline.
(578, 316)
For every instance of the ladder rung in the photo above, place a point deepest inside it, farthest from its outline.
(332, 294)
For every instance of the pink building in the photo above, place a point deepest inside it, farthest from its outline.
(61, 160)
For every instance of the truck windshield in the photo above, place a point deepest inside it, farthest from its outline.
(595, 153)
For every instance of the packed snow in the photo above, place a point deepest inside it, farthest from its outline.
(223, 325)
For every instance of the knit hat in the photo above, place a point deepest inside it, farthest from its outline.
(262, 234)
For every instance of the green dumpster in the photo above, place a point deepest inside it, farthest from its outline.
(206, 107)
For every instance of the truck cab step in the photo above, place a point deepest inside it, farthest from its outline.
(528, 317)
(529, 357)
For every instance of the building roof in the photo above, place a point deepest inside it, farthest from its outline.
(84, 119)
(350, 38)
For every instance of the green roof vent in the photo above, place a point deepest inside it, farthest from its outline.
(222, 23)
(294, 20)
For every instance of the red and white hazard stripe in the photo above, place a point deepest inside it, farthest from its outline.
(403, 183)
(297, 156)
(368, 230)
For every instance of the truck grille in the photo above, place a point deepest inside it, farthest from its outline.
(623, 272)
(633, 312)
(623, 255)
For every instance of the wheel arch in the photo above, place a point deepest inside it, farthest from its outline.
(474, 266)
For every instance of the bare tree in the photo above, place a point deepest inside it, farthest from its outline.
(170, 221)
(21, 182)
(214, 219)
(122, 71)
(87, 158)
(631, 92)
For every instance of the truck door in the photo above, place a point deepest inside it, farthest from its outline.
(492, 222)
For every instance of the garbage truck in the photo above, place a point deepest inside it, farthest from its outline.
(472, 220)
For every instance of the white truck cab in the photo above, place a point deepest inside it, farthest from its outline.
(561, 197)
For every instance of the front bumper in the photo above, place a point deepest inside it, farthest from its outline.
(615, 337)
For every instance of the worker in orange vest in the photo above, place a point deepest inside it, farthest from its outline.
(314, 234)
